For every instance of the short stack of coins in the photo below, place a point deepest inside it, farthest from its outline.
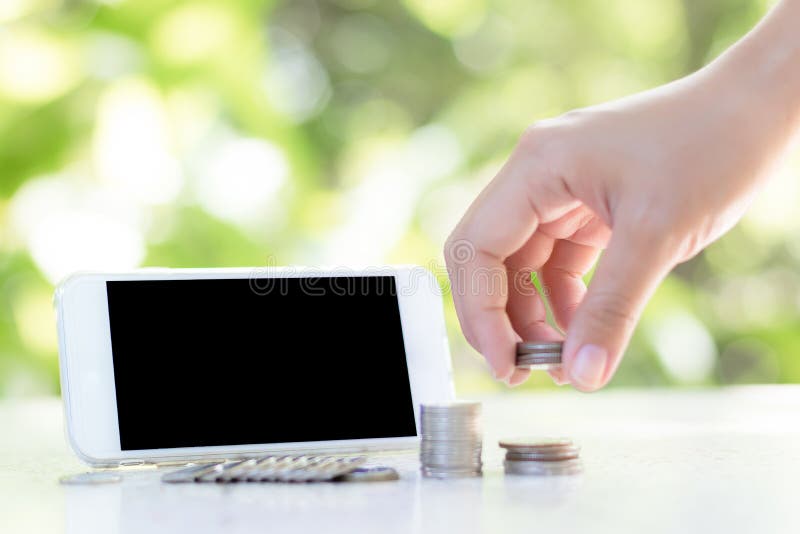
(541, 456)
(539, 354)
(451, 440)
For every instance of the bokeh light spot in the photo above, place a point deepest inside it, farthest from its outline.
(36, 67)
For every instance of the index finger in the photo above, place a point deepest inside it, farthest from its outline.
(499, 222)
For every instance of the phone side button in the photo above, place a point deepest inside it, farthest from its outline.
(129, 463)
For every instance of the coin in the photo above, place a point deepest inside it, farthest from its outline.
(535, 355)
(188, 474)
(90, 478)
(541, 456)
(556, 455)
(270, 469)
(540, 357)
(451, 439)
(450, 473)
(569, 467)
(529, 347)
(369, 474)
(452, 407)
(535, 443)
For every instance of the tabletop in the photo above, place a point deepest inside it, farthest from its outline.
(654, 460)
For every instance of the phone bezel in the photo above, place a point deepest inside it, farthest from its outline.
(86, 364)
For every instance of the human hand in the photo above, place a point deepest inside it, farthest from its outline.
(652, 178)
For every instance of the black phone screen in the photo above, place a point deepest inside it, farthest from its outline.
(216, 362)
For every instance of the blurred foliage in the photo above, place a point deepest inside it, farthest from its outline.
(213, 133)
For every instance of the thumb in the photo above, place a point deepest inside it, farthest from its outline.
(628, 273)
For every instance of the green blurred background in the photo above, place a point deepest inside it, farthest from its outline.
(243, 133)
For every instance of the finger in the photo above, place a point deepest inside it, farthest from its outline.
(568, 224)
(595, 234)
(525, 307)
(558, 376)
(562, 278)
(499, 222)
(627, 275)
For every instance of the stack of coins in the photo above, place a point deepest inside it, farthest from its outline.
(542, 456)
(539, 355)
(451, 440)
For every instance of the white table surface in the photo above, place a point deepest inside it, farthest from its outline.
(655, 461)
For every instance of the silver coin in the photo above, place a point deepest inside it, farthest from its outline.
(526, 347)
(454, 429)
(240, 471)
(450, 445)
(532, 447)
(450, 458)
(439, 426)
(455, 425)
(188, 474)
(450, 449)
(450, 464)
(538, 361)
(539, 356)
(543, 354)
(452, 437)
(459, 446)
(535, 443)
(548, 361)
(90, 478)
(369, 474)
(433, 473)
(430, 459)
(452, 407)
(542, 449)
(216, 471)
(541, 457)
(452, 415)
(459, 438)
(450, 425)
(455, 453)
(534, 468)
(445, 434)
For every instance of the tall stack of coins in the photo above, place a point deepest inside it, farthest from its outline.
(451, 440)
(539, 355)
(541, 456)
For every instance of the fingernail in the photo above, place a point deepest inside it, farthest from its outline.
(588, 367)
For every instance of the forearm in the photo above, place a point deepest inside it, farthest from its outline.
(763, 72)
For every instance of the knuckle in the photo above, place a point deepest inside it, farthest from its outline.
(546, 139)
(610, 310)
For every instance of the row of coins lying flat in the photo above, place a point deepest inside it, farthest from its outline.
(270, 469)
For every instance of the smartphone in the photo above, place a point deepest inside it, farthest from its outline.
(188, 364)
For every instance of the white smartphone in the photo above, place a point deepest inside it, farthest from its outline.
(164, 365)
